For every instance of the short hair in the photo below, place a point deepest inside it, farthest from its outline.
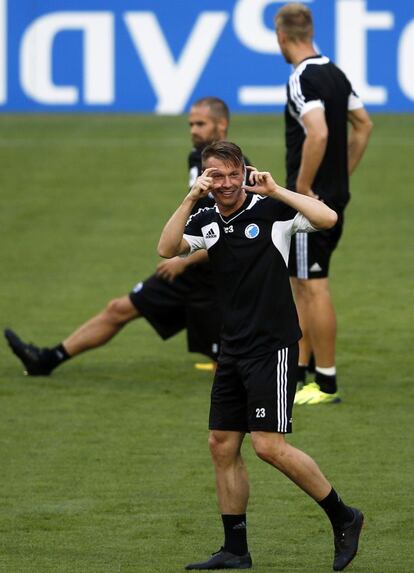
(225, 151)
(218, 108)
(295, 20)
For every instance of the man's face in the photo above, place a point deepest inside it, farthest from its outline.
(204, 128)
(227, 184)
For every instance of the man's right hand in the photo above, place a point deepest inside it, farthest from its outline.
(202, 186)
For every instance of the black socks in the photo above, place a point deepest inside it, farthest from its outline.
(326, 383)
(235, 534)
(53, 357)
(301, 374)
(311, 365)
(303, 371)
(336, 510)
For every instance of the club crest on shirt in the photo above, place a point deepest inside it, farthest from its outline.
(252, 231)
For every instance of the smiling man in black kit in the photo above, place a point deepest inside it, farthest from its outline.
(247, 235)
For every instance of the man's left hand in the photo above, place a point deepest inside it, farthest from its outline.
(260, 182)
(304, 190)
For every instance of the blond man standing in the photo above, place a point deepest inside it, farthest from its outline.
(321, 155)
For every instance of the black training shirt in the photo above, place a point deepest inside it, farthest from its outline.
(248, 252)
(317, 83)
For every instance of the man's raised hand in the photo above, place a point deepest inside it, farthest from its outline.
(203, 185)
(260, 182)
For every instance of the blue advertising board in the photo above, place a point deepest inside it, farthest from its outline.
(159, 55)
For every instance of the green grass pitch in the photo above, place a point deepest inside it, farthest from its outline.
(104, 466)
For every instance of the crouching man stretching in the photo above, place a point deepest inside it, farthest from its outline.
(247, 235)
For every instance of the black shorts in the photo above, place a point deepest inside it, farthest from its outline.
(187, 302)
(310, 253)
(256, 393)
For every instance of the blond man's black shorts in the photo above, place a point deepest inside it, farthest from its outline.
(310, 253)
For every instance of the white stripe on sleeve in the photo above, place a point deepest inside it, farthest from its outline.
(354, 102)
(301, 223)
(195, 242)
(314, 104)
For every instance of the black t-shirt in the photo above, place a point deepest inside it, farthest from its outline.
(248, 252)
(317, 83)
